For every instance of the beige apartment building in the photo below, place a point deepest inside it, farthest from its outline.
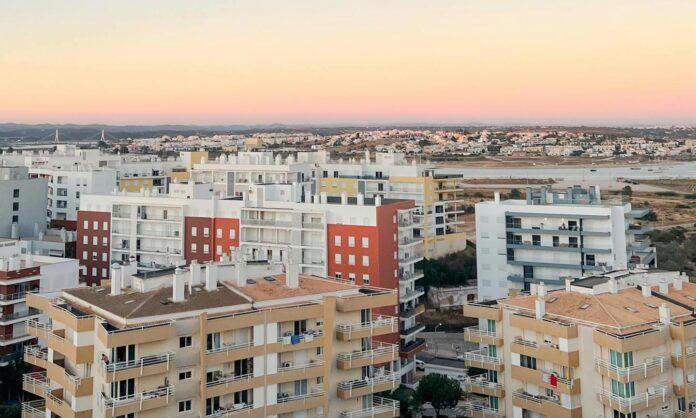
(219, 340)
(617, 345)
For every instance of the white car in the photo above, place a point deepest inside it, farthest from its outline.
(420, 365)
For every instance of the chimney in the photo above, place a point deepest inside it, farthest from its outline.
(29, 259)
(541, 290)
(378, 200)
(664, 288)
(664, 314)
(292, 271)
(344, 198)
(568, 283)
(613, 286)
(178, 285)
(195, 269)
(116, 279)
(677, 283)
(496, 197)
(646, 290)
(324, 198)
(361, 199)
(211, 277)
(240, 269)
(14, 234)
(540, 308)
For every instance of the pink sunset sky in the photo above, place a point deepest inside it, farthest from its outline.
(352, 62)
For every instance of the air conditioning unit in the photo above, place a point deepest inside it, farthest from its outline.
(651, 390)
(691, 378)
(287, 364)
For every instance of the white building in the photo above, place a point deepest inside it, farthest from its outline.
(22, 202)
(552, 235)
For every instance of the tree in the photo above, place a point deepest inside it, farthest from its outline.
(408, 404)
(515, 194)
(439, 391)
(627, 191)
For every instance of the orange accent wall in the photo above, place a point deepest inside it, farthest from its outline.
(226, 224)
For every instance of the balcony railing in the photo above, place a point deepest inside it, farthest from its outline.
(37, 381)
(477, 333)
(13, 296)
(378, 350)
(482, 356)
(301, 338)
(18, 315)
(378, 321)
(290, 398)
(387, 377)
(379, 406)
(36, 351)
(140, 363)
(229, 378)
(34, 409)
(654, 397)
(631, 372)
(233, 411)
(481, 381)
(229, 347)
(478, 409)
(107, 402)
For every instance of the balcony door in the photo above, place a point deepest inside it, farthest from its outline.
(123, 389)
(123, 353)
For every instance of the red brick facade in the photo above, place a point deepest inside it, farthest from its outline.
(92, 244)
(202, 246)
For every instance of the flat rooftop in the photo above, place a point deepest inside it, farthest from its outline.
(273, 287)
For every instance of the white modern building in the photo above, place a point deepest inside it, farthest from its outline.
(550, 236)
(22, 202)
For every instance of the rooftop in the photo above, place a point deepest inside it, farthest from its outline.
(273, 287)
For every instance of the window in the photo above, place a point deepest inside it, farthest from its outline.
(193, 247)
(206, 232)
(233, 234)
(365, 242)
(351, 242)
(556, 241)
(337, 258)
(536, 240)
(338, 275)
(95, 240)
(105, 226)
(351, 260)
(618, 414)
(85, 225)
(104, 274)
(15, 219)
(366, 261)
(95, 225)
(337, 240)
(621, 359)
(185, 341)
(206, 248)
(351, 277)
(194, 231)
(528, 362)
(185, 405)
(185, 374)
(623, 390)
(573, 242)
(218, 249)
(218, 233)
(15, 193)
(94, 272)
(366, 278)
(15, 206)
(105, 241)
(104, 256)
(94, 256)
(85, 254)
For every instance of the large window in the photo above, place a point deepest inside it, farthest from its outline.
(621, 359)
(624, 390)
(528, 362)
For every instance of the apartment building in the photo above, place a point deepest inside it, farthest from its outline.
(19, 275)
(22, 202)
(149, 172)
(614, 345)
(551, 235)
(232, 174)
(225, 340)
(439, 196)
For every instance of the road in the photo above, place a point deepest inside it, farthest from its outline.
(444, 344)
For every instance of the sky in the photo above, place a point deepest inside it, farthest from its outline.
(615, 62)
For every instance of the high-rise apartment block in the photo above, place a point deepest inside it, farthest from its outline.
(619, 344)
(22, 202)
(551, 235)
(226, 340)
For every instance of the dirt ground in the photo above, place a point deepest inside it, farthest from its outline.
(683, 185)
(541, 161)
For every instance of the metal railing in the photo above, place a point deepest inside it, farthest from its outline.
(36, 351)
(379, 406)
(378, 321)
(311, 364)
(480, 409)
(107, 402)
(371, 382)
(225, 379)
(482, 356)
(37, 381)
(291, 398)
(34, 409)
(378, 349)
(301, 338)
(476, 332)
(481, 381)
(629, 372)
(14, 296)
(229, 347)
(139, 363)
(657, 396)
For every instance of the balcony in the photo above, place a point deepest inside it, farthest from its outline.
(681, 390)
(18, 316)
(57, 405)
(546, 326)
(369, 298)
(411, 331)
(56, 340)
(410, 258)
(309, 339)
(479, 410)
(360, 387)
(480, 384)
(71, 317)
(649, 368)
(409, 313)
(13, 297)
(411, 294)
(380, 325)
(543, 379)
(290, 372)
(380, 408)
(142, 401)
(228, 352)
(544, 405)
(407, 276)
(634, 341)
(293, 403)
(489, 310)
(223, 384)
(482, 360)
(36, 383)
(36, 355)
(144, 366)
(545, 351)
(655, 396)
(477, 335)
(688, 360)
(412, 348)
(34, 409)
(380, 353)
(77, 386)
(111, 336)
